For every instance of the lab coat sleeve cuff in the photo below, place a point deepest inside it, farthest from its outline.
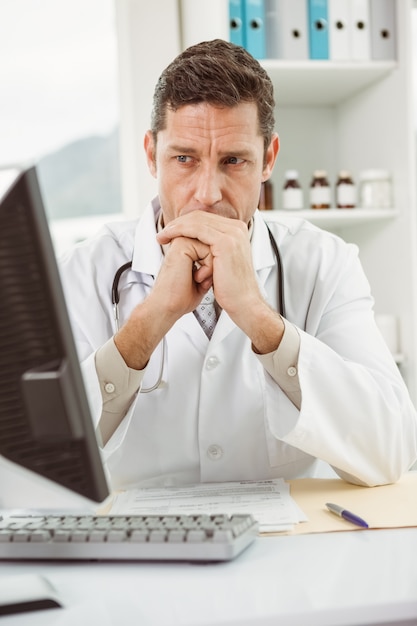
(118, 382)
(282, 364)
(119, 385)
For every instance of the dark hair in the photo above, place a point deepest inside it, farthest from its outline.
(217, 72)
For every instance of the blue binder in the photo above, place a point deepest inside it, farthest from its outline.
(254, 12)
(237, 22)
(318, 29)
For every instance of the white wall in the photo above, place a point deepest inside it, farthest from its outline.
(147, 41)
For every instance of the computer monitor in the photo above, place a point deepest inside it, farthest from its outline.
(45, 420)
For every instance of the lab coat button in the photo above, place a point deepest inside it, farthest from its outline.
(214, 452)
(212, 362)
(292, 371)
(109, 388)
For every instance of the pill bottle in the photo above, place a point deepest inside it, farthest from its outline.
(375, 189)
(292, 194)
(345, 191)
(320, 191)
(266, 198)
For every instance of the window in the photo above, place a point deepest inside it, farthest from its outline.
(59, 107)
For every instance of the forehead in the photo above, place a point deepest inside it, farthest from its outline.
(208, 120)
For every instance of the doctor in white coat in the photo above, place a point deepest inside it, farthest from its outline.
(272, 392)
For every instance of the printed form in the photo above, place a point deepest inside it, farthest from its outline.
(269, 501)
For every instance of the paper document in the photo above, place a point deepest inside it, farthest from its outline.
(269, 501)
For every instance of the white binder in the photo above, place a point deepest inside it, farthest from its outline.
(202, 21)
(360, 30)
(383, 30)
(286, 29)
(339, 30)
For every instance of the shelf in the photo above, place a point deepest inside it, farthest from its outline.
(333, 218)
(318, 83)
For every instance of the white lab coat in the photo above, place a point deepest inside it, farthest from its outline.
(218, 415)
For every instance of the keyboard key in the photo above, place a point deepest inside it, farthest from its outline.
(116, 535)
(177, 535)
(40, 535)
(196, 536)
(139, 535)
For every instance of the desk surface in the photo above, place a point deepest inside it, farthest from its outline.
(352, 578)
(337, 579)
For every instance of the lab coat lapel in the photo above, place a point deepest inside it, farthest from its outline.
(147, 253)
(262, 254)
(191, 327)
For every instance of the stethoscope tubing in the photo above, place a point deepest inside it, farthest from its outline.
(280, 269)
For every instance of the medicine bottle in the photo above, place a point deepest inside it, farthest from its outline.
(292, 194)
(266, 198)
(320, 191)
(375, 189)
(345, 191)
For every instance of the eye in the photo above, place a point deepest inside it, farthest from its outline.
(182, 158)
(232, 160)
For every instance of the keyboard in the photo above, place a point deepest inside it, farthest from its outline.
(126, 538)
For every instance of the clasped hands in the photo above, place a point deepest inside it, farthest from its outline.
(207, 250)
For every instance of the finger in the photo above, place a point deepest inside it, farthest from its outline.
(196, 251)
(206, 284)
(202, 226)
(203, 273)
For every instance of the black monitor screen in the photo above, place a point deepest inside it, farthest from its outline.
(45, 421)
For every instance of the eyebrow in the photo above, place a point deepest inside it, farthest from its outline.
(182, 149)
(178, 149)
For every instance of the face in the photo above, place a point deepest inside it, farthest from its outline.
(210, 159)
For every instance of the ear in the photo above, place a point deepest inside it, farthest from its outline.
(150, 151)
(270, 157)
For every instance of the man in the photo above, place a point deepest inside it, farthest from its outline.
(264, 394)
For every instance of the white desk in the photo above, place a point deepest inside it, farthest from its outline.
(344, 578)
(334, 579)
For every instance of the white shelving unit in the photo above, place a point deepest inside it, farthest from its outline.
(329, 115)
(355, 116)
(335, 219)
(323, 83)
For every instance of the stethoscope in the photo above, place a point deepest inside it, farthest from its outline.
(115, 297)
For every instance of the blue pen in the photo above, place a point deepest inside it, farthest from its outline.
(347, 515)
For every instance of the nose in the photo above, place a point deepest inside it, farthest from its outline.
(208, 189)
